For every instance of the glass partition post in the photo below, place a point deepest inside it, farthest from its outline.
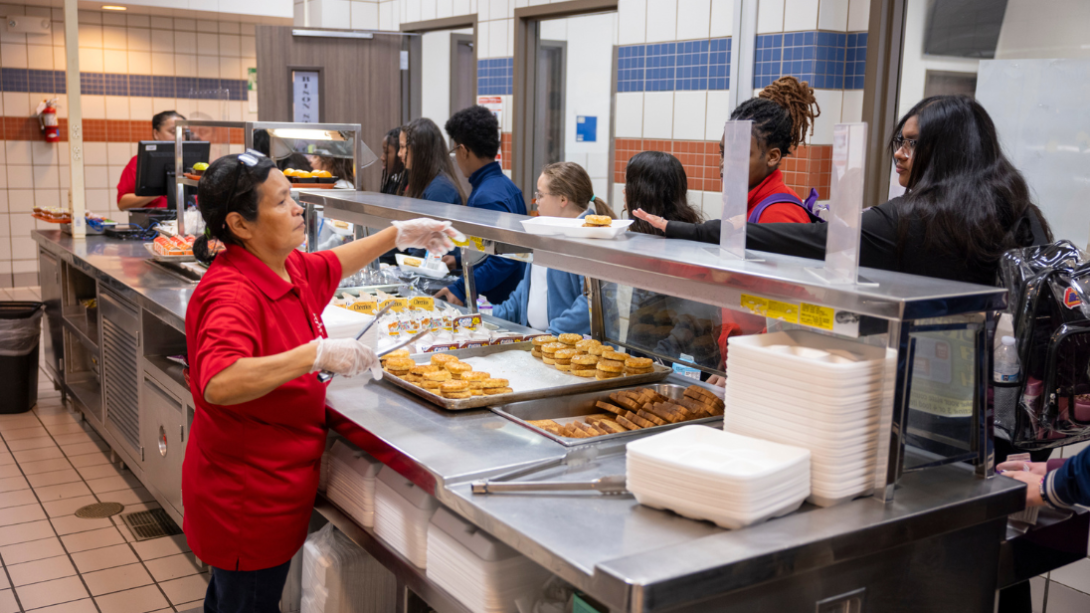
(846, 209)
(471, 282)
(179, 187)
(736, 143)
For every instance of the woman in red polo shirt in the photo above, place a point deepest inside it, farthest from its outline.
(255, 339)
(162, 128)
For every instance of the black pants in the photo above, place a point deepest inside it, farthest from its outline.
(246, 591)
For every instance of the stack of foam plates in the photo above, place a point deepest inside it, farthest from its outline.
(708, 474)
(822, 393)
(473, 566)
(402, 513)
(350, 482)
(333, 574)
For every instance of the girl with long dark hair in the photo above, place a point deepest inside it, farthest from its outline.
(427, 160)
(393, 171)
(655, 182)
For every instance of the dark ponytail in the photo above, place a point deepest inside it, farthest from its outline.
(214, 197)
(571, 181)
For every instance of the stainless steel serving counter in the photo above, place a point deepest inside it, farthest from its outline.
(945, 524)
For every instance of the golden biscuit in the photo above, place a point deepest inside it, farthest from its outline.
(563, 367)
(457, 368)
(598, 220)
(549, 349)
(476, 392)
(545, 339)
(617, 356)
(638, 362)
(601, 374)
(489, 383)
(411, 378)
(549, 361)
(397, 353)
(585, 345)
(638, 371)
(564, 354)
(599, 349)
(422, 369)
(570, 339)
(586, 359)
(438, 376)
(585, 373)
(458, 395)
(607, 365)
(405, 364)
(442, 358)
(431, 385)
(454, 386)
(536, 353)
(475, 376)
(492, 391)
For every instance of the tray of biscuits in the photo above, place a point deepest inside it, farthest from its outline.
(599, 416)
(499, 374)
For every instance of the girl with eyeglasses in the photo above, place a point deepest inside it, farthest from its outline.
(256, 342)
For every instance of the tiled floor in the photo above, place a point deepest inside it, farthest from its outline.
(50, 465)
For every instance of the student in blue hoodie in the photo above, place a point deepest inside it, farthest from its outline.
(475, 134)
(549, 299)
(424, 153)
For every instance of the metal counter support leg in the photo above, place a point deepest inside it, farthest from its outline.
(901, 341)
(471, 283)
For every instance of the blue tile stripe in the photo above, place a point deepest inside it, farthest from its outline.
(111, 84)
(827, 60)
(683, 66)
(495, 77)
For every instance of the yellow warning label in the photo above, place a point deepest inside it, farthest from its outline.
(817, 316)
(755, 304)
(786, 311)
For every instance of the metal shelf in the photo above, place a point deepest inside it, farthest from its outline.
(408, 575)
(85, 332)
(170, 371)
(89, 394)
(187, 181)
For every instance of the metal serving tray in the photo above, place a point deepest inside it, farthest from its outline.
(552, 393)
(564, 408)
(168, 258)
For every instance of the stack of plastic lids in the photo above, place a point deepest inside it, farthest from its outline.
(481, 572)
(350, 482)
(332, 565)
(822, 393)
(402, 513)
(709, 474)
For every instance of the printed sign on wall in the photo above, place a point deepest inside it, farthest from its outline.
(305, 96)
(586, 129)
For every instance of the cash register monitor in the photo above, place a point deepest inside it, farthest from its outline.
(155, 160)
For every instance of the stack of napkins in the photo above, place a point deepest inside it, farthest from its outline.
(402, 513)
(709, 474)
(473, 566)
(822, 393)
(349, 477)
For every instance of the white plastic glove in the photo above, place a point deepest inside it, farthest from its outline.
(425, 234)
(347, 357)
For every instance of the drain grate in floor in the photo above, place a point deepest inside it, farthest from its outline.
(100, 510)
(151, 524)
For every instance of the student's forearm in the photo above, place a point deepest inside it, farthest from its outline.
(361, 252)
(251, 378)
(132, 201)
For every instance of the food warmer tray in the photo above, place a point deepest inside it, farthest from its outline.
(168, 258)
(552, 393)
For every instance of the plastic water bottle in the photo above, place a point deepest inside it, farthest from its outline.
(1006, 366)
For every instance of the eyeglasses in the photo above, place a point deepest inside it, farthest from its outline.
(453, 149)
(247, 160)
(538, 195)
(908, 144)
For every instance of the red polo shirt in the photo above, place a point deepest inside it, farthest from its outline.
(251, 470)
(127, 185)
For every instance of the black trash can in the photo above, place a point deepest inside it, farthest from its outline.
(20, 333)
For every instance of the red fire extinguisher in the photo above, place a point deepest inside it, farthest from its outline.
(47, 117)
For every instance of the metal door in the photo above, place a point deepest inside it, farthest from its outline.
(53, 339)
(549, 106)
(463, 72)
(164, 437)
(120, 357)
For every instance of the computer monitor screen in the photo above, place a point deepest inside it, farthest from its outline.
(155, 158)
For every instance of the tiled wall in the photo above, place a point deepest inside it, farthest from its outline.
(132, 66)
(826, 60)
(685, 66)
(496, 76)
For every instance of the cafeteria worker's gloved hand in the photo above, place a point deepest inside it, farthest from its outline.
(425, 234)
(347, 357)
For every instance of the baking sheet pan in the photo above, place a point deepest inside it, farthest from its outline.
(563, 409)
(577, 386)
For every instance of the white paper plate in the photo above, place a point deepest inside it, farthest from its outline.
(573, 228)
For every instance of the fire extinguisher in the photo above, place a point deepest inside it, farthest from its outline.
(47, 117)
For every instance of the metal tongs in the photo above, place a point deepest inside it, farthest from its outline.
(610, 485)
(325, 376)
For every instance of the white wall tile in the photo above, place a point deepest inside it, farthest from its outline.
(58, 33)
(722, 18)
(114, 37)
(21, 200)
(769, 16)
(44, 153)
(484, 34)
(800, 15)
(18, 152)
(632, 17)
(858, 15)
(690, 108)
(230, 68)
(248, 46)
(20, 177)
(118, 153)
(101, 199)
(389, 16)
(554, 29)
(208, 44)
(47, 197)
(230, 45)
(140, 108)
(17, 104)
(833, 15)
(162, 41)
(713, 205)
(94, 107)
(661, 20)
(185, 65)
(113, 19)
(443, 8)
(185, 42)
(139, 39)
(658, 114)
(497, 39)
(117, 107)
(162, 23)
(629, 115)
(90, 60)
(717, 115)
(114, 61)
(365, 16)
(207, 26)
(830, 102)
(13, 55)
(693, 19)
(461, 7)
(90, 36)
(229, 27)
(40, 57)
(113, 173)
(497, 9)
(411, 10)
(162, 64)
(60, 60)
(187, 25)
(139, 62)
(94, 153)
(47, 177)
(852, 110)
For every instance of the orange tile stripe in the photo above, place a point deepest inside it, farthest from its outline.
(505, 150)
(104, 131)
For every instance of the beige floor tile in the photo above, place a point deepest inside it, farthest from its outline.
(173, 567)
(21, 433)
(6, 459)
(58, 418)
(50, 493)
(37, 571)
(139, 600)
(36, 455)
(83, 449)
(117, 579)
(129, 497)
(91, 459)
(70, 524)
(67, 506)
(8, 603)
(49, 593)
(75, 439)
(161, 547)
(67, 428)
(31, 550)
(44, 466)
(11, 470)
(76, 606)
(23, 444)
(21, 533)
(101, 471)
(17, 498)
(13, 483)
(112, 484)
(56, 477)
(107, 557)
(186, 589)
(11, 423)
(4, 583)
(93, 539)
(21, 515)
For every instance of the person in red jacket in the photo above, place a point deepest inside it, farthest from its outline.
(162, 128)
